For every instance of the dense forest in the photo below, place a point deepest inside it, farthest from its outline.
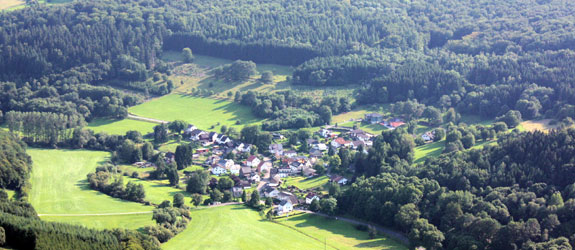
(15, 164)
(519, 194)
(480, 57)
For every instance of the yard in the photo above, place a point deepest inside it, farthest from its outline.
(59, 187)
(201, 112)
(337, 233)
(120, 127)
(428, 150)
(306, 183)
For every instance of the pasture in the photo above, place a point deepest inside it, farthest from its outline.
(11, 4)
(158, 191)
(338, 234)
(59, 187)
(541, 125)
(205, 113)
(428, 150)
(237, 227)
(306, 183)
(120, 127)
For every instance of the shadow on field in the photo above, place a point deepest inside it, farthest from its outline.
(340, 228)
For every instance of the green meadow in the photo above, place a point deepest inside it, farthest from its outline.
(428, 150)
(338, 234)
(120, 127)
(306, 183)
(201, 112)
(60, 191)
(237, 227)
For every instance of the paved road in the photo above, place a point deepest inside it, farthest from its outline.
(135, 117)
(146, 212)
(391, 233)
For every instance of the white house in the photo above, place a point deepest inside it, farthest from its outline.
(195, 134)
(223, 139)
(428, 136)
(264, 166)
(321, 147)
(284, 207)
(340, 142)
(255, 177)
(217, 170)
(310, 197)
(339, 179)
(190, 129)
(244, 148)
(253, 161)
(290, 153)
(277, 148)
(325, 133)
(235, 169)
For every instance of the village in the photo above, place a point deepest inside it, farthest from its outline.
(268, 172)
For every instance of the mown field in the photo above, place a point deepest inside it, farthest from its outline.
(18, 4)
(201, 112)
(238, 227)
(59, 187)
(306, 183)
(120, 127)
(338, 234)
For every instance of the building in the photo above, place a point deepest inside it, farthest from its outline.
(290, 153)
(218, 170)
(373, 118)
(246, 172)
(310, 197)
(276, 148)
(253, 161)
(284, 207)
(340, 142)
(255, 177)
(428, 136)
(338, 179)
(235, 169)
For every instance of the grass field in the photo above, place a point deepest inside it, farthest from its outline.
(9, 4)
(127, 221)
(337, 233)
(59, 186)
(305, 183)
(157, 191)
(201, 112)
(237, 227)
(541, 125)
(428, 150)
(120, 127)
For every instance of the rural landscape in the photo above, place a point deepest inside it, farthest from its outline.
(368, 124)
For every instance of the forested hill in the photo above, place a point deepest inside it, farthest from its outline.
(481, 57)
(519, 194)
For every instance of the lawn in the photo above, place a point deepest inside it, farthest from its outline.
(120, 127)
(306, 183)
(127, 221)
(541, 125)
(158, 191)
(201, 112)
(59, 186)
(8, 4)
(338, 234)
(237, 227)
(432, 149)
(359, 113)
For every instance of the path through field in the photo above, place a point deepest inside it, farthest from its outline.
(106, 214)
(139, 118)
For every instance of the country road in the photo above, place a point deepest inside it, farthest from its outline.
(108, 214)
(139, 118)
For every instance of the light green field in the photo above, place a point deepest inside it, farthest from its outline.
(59, 187)
(10, 5)
(10, 193)
(201, 112)
(338, 234)
(127, 221)
(237, 227)
(158, 191)
(359, 113)
(120, 127)
(304, 183)
(428, 150)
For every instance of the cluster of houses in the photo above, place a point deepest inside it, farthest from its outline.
(266, 173)
(374, 118)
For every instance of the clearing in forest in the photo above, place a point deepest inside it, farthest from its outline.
(201, 112)
(541, 125)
